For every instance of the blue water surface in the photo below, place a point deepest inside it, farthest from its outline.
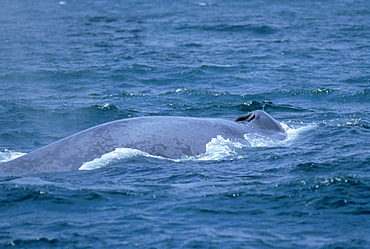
(66, 66)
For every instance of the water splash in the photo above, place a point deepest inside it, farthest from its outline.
(8, 155)
(113, 157)
(259, 140)
(220, 149)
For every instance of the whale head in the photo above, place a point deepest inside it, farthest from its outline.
(264, 123)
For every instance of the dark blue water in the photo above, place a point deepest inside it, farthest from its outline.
(68, 65)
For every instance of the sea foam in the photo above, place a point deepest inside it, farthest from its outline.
(8, 155)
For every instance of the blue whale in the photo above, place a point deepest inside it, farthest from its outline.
(170, 137)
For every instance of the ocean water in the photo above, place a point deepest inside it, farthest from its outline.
(66, 66)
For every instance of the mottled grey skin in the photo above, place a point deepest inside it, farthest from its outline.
(171, 137)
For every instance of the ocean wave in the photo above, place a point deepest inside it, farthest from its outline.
(257, 29)
(334, 192)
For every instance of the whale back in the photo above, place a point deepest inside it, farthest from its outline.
(170, 137)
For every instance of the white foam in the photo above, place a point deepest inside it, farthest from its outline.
(112, 157)
(224, 149)
(259, 140)
(293, 133)
(220, 149)
(8, 155)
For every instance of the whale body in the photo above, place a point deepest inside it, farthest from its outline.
(166, 136)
